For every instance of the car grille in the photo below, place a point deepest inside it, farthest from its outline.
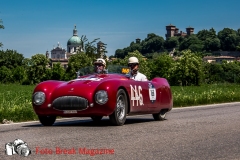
(70, 103)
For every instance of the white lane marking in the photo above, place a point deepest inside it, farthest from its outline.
(208, 105)
(37, 121)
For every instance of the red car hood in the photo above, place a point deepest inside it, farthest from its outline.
(83, 86)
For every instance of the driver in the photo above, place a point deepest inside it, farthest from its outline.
(99, 66)
(133, 64)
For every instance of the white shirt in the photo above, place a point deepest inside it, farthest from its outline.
(138, 77)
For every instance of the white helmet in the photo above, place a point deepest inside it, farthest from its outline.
(100, 60)
(133, 60)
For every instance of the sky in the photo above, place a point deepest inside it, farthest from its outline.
(36, 26)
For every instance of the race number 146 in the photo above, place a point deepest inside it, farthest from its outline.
(136, 95)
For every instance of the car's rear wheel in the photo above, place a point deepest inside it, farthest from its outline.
(47, 120)
(118, 117)
(97, 118)
(160, 116)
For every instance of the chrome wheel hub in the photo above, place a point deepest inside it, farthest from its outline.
(120, 107)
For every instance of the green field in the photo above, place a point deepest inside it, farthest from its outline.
(15, 100)
(206, 94)
(15, 103)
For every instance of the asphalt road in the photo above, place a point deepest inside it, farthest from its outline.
(206, 132)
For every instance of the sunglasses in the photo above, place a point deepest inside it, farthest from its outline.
(132, 64)
(98, 65)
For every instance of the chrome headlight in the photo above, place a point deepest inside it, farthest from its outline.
(101, 97)
(38, 98)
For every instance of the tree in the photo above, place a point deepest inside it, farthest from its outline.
(196, 47)
(153, 43)
(187, 70)
(83, 41)
(213, 73)
(238, 39)
(1, 27)
(191, 42)
(238, 48)
(119, 53)
(6, 75)
(136, 47)
(171, 42)
(11, 59)
(204, 34)
(238, 31)
(76, 62)
(36, 69)
(57, 72)
(161, 66)
(212, 44)
(231, 72)
(48, 74)
(91, 49)
(209, 39)
(127, 50)
(118, 61)
(228, 39)
(19, 74)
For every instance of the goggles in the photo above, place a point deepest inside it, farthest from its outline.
(132, 64)
(98, 64)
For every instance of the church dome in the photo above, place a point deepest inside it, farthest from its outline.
(74, 40)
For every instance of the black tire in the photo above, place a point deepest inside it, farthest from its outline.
(161, 116)
(118, 117)
(96, 118)
(47, 120)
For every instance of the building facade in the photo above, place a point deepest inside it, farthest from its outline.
(74, 44)
(219, 59)
(174, 31)
(60, 55)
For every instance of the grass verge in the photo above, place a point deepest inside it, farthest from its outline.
(206, 94)
(15, 100)
(16, 103)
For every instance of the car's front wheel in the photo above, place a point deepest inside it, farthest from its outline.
(97, 118)
(160, 116)
(47, 120)
(118, 117)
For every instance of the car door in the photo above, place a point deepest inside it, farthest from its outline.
(139, 96)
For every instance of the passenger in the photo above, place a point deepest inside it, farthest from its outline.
(133, 64)
(99, 66)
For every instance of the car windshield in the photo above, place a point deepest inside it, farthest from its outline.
(110, 70)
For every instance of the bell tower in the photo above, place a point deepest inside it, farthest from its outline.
(189, 30)
(170, 30)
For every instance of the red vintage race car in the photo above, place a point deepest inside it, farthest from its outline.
(97, 95)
